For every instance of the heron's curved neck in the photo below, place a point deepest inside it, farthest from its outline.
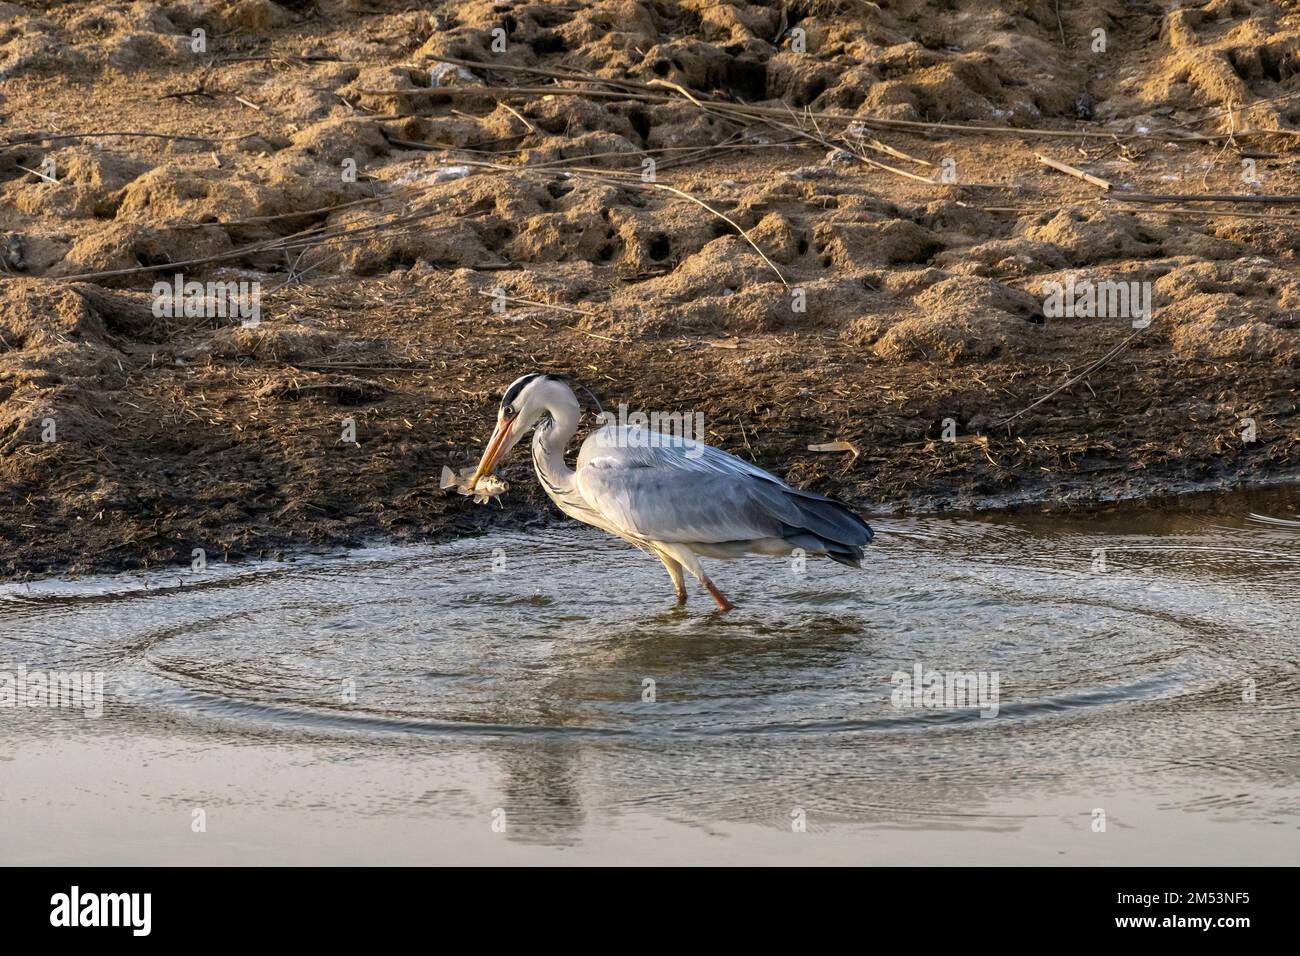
(551, 437)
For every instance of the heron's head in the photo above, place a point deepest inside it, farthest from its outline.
(527, 401)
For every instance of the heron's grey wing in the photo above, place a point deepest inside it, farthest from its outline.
(646, 494)
(825, 518)
(677, 490)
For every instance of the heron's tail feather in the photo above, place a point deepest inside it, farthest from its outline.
(827, 527)
(843, 553)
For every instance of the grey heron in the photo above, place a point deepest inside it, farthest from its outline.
(672, 496)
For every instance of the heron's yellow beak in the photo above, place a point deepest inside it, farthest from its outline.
(495, 445)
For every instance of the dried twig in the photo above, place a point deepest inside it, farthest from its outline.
(1077, 378)
(544, 305)
(304, 238)
(1072, 171)
(611, 177)
(1219, 214)
(519, 116)
(744, 235)
(42, 138)
(1208, 197)
(36, 172)
(679, 88)
(623, 87)
(284, 57)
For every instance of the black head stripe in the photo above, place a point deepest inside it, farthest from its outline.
(513, 391)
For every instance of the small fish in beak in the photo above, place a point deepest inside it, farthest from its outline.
(483, 490)
(497, 446)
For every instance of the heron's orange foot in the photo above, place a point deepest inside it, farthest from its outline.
(723, 603)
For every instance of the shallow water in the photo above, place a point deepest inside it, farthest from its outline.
(529, 697)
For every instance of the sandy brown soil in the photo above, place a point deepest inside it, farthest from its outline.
(924, 297)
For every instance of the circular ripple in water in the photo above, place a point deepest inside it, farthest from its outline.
(573, 633)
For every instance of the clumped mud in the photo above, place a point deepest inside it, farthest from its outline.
(422, 238)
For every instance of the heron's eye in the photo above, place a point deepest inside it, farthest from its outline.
(508, 411)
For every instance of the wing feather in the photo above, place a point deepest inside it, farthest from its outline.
(663, 488)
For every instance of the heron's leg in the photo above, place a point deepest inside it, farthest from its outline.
(674, 572)
(718, 596)
(686, 558)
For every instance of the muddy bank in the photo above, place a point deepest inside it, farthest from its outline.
(235, 442)
(423, 232)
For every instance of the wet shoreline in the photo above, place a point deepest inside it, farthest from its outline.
(70, 556)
